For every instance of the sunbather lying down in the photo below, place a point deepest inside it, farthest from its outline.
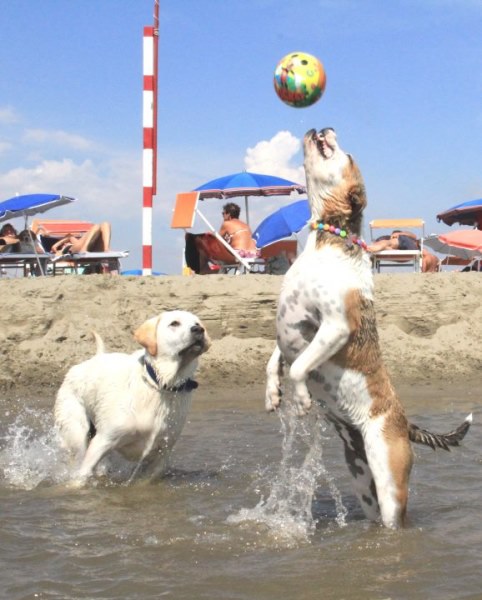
(97, 239)
(405, 240)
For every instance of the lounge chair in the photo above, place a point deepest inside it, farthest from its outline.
(27, 255)
(50, 231)
(398, 258)
(467, 264)
(185, 211)
(30, 264)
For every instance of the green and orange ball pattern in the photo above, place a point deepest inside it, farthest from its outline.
(299, 79)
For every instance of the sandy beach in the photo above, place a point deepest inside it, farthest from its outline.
(430, 326)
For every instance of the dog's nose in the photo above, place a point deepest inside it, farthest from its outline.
(326, 130)
(197, 329)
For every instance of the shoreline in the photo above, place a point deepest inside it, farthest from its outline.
(430, 325)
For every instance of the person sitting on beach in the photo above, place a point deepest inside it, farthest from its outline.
(405, 240)
(8, 238)
(237, 234)
(97, 239)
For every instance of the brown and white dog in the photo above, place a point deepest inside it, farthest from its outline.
(135, 404)
(327, 333)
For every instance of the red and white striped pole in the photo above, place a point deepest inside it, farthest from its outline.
(149, 121)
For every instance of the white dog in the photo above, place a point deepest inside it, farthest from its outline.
(326, 331)
(133, 403)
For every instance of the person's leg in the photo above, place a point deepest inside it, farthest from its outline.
(97, 239)
(430, 263)
(83, 243)
(105, 232)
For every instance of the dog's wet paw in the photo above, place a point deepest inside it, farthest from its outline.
(75, 484)
(302, 399)
(273, 395)
(272, 399)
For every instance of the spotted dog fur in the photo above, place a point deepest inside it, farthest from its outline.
(327, 334)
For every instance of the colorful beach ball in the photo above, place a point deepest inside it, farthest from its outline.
(299, 79)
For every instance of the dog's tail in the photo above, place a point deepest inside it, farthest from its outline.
(99, 342)
(439, 440)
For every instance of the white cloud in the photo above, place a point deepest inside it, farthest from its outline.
(103, 190)
(273, 157)
(58, 138)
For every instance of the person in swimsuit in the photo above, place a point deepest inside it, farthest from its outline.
(97, 239)
(406, 240)
(8, 237)
(237, 234)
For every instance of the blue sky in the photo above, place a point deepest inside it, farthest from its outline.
(404, 92)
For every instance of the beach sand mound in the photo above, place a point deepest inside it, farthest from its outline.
(430, 326)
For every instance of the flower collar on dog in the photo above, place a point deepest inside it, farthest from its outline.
(343, 233)
(186, 386)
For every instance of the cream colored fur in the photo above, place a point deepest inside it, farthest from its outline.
(130, 411)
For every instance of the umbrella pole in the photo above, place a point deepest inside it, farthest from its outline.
(246, 209)
(39, 262)
(27, 228)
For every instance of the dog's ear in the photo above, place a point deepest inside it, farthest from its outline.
(146, 335)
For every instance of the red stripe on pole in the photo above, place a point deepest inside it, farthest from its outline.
(148, 31)
(148, 83)
(148, 138)
(147, 197)
(147, 257)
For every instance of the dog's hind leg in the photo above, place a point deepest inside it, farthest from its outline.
(390, 458)
(356, 460)
(72, 423)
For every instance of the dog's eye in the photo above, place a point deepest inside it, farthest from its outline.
(175, 324)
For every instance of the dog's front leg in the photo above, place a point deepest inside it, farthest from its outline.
(97, 449)
(329, 339)
(274, 372)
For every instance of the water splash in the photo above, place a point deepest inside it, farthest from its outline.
(30, 454)
(286, 510)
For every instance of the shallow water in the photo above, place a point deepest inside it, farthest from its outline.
(254, 507)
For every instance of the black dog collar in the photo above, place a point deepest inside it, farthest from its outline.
(186, 386)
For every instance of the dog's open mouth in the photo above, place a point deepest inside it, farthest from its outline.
(197, 347)
(325, 141)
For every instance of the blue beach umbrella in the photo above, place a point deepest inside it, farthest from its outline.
(282, 223)
(248, 184)
(466, 213)
(30, 204)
